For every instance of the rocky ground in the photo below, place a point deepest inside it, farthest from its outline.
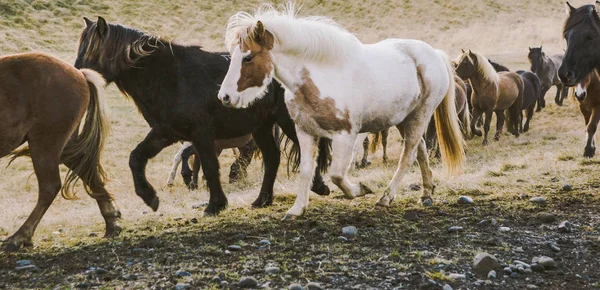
(542, 240)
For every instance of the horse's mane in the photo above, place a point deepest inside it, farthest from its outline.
(312, 38)
(581, 14)
(486, 69)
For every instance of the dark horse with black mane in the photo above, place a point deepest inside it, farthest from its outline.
(43, 100)
(582, 33)
(175, 88)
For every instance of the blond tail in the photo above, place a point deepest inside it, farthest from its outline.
(375, 142)
(466, 120)
(449, 136)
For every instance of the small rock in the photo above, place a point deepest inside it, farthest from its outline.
(514, 275)
(234, 248)
(567, 187)
(27, 268)
(565, 227)
(554, 248)
(538, 200)
(491, 275)
(349, 231)
(248, 282)
(92, 235)
(457, 277)
(227, 252)
(414, 187)
(182, 273)
(129, 277)
(504, 229)
(520, 269)
(342, 238)
(528, 271)
(427, 203)
(513, 267)
(483, 263)
(484, 223)
(411, 216)
(182, 286)
(525, 265)
(537, 267)
(150, 242)
(295, 286)
(531, 286)
(507, 270)
(83, 285)
(194, 220)
(519, 250)
(454, 229)
(22, 263)
(494, 221)
(465, 200)
(546, 217)
(447, 287)
(272, 270)
(314, 286)
(547, 262)
(264, 242)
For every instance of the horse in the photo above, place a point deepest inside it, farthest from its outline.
(546, 67)
(190, 175)
(582, 36)
(338, 87)
(370, 145)
(492, 92)
(498, 68)
(43, 101)
(532, 87)
(587, 93)
(174, 87)
(462, 108)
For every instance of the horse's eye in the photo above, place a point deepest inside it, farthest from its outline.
(590, 37)
(248, 58)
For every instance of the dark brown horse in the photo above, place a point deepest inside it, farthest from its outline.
(492, 92)
(587, 93)
(42, 102)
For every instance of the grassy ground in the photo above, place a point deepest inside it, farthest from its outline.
(403, 246)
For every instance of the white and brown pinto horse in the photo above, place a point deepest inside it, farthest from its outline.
(338, 87)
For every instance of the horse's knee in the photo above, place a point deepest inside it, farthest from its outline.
(337, 179)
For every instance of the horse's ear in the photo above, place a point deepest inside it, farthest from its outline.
(88, 22)
(463, 50)
(529, 48)
(570, 9)
(101, 26)
(262, 36)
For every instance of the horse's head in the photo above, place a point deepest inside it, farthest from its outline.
(251, 69)
(581, 88)
(536, 58)
(466, 65)
(582, 33)
(108, 48)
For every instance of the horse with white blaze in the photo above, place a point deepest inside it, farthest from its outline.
(338, 87)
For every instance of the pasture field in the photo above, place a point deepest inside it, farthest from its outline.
(404, 246)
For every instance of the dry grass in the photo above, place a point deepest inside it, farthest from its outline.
(505, 170)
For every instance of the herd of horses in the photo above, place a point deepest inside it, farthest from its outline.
(306, 76)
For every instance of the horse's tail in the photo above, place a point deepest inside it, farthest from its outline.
(466, 120)
(375, 142)
(450, 138)
(83, 152)
(514, 111)
(293, 155)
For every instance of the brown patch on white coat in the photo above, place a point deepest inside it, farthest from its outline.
(257, 64)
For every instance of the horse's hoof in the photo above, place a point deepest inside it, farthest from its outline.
(322, 190)
(385, 159)
(364, 190)
(11, 247)
(589, 152)
(260, 203)
(426, 201)
(214, 210)
(192, 185)
(497, 138)
(485, 142)
(114, 231)
(384, 201)
(478, 133)
(154, 203)
(290, 217)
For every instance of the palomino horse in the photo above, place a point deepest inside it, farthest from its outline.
(583, 41)
(532, 87)
(42, 102)
(174, 87)
(338, 87)
(492, 92)
(587, 93)
(545, 67)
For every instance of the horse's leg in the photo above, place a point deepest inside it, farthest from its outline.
(176, 162)
(411, 129)
(308, 164)
(239, 168)
(342, 152)
(486, 126)
(196, 171)
(148, 148)
(477, 113)
(45, 155)
(564, 93)
(426, 174)
(364, 162)
(271, 156)
(590, 147)
(204, 141)
(529, 116)
(542, 100)
(384, 136)
(359, 141)
(557, 98)
(499, 123)
(186, 171)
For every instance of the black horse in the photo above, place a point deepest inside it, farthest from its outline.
(583, 40)
(175, 88)
(532, 87)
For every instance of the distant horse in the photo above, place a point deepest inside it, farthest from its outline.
(583, 40)
(462, 108)
(546, 67)
(401, 83)
(175, 87)
(532, 93)
(587, 93)
(370, 146)
(498, 68)
(42, 102)
(492, 92)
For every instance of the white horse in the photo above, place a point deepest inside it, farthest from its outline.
(338, 87)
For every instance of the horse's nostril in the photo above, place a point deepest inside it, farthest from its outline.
(570, 75)
(226, 99)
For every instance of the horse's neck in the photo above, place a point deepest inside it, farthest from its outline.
(481, 84)
(287, 72)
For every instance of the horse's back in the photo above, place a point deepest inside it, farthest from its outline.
(510, 88)
(532, 87)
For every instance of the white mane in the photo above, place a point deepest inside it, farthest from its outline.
(486, 69)
(313, 38)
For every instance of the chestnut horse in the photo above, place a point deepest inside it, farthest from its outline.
(492, 92)
(587, 93)
(42, 102)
